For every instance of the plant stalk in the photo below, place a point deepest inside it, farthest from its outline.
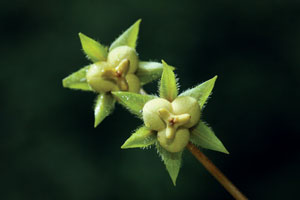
(223, 180)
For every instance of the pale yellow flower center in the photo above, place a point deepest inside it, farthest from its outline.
(172, 121)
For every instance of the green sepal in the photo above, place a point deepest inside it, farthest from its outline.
(149, 71)
(128, 37)
(172, 161)
(203, 136)
(77, 80)
(133, 102)
(202, 91)
(93, 49)
(168, 85)
(104, 105)
(141, 138)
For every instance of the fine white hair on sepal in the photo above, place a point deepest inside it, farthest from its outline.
(209, 96)
(87, 56)
(158, 84)
(158, 150)
(177, 83)
(147, 147)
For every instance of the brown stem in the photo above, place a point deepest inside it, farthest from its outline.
(227, 184)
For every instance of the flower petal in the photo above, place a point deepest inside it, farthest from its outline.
(104, 105)
(93, 49)
(143, 137)
(203, 136)
(128, 38)
(77, 80)
(132, 101)
(202, 91)
(149, 71)
(168, 85)
(171, 160)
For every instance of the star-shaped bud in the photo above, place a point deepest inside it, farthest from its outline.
(171, 120)
(114, 68)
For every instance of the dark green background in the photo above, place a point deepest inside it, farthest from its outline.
(49, 148)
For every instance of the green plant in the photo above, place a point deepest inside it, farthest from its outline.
(172, 122)
(113, 68)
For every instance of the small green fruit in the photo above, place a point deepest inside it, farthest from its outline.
(96, 81)
(151, 115)
(133, 83)
(187, 105)
(123, 52)
(178, 143)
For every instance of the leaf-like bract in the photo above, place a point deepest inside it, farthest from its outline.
(93, 49)
(143, 137)
(168, 85)
(149, 71)
(77, 80)
(202, 91)
(133, 102)
(172, 161)
(203, 136)
(128, 37)
(104, 105)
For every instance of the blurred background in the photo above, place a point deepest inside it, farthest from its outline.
(49, 148)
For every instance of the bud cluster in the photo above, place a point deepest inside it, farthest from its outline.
(117, 73)
(172, 120)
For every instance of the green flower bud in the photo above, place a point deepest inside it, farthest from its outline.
(133, 83)
(95, 78)
(178, 143)
(187, 105)
(123, 52)
(151, 115)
